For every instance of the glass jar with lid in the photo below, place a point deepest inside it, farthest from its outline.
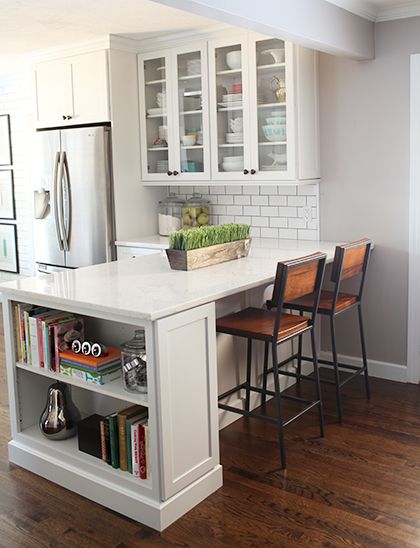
(195, 211)
(170, 214)
(133, 358)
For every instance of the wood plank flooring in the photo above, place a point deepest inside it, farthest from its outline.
(359, 486)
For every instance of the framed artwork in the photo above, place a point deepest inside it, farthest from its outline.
(5, 141)
(8, 248)
(7, 195)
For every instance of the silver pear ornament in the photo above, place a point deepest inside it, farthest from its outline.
(60, 417)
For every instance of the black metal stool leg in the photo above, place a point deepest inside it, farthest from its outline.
(248, 375)
(265, 374)
(318, 384)
(278, 405)
(299, 359)
(364, 357)
(336, 370)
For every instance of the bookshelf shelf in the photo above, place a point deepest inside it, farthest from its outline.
(113, 389)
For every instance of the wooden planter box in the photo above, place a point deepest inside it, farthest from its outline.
(207, 256)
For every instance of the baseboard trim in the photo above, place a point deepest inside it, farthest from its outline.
(381, 370)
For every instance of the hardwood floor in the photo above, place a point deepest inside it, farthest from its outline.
(359, 486)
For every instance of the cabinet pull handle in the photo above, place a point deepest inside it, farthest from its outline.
(176, 173)
(169, 173)
(253, 172)
(246, 172)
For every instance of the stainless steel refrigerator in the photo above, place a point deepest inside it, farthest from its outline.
(73, 198)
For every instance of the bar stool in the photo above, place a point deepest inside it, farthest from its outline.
(294, 279)
(350, 260)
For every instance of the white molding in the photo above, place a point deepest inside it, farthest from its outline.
(381, 370)
(408, 9)
(413, 345)
(68, 50)
(358, 7)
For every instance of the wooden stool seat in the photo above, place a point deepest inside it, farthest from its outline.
(259, 324)
(326, 302)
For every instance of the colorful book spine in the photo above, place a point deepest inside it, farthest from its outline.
(135, 449)
(107, 442)
(147, 440)
(113, 437)
(122, 442)
(103, 441)
(91, 378)
(83, 367)
(142, 452)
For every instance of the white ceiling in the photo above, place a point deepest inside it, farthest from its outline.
(30, 25)
(381, 10)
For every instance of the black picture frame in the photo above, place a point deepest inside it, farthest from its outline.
(5, 141)
(9, 245)
(9, 190)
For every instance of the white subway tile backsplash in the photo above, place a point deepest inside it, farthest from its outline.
(251, 210)
(259, 200)
(260, 221)
(288, 211)
(269, 232)
(277, 200)
(234, 210)
(268, 189)
(278, 222)
(273, 211)
(298, 201)
(288, 233)
(242, 200)
(224, 199)
(269, 211)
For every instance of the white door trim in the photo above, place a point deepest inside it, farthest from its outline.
(413, 327)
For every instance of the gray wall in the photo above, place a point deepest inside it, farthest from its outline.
(365, 178)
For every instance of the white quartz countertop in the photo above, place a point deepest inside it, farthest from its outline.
(146, 288)
(148, 242)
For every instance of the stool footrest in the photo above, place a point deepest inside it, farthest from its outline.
(232, 391)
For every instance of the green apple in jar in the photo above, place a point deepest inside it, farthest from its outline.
(195, 211)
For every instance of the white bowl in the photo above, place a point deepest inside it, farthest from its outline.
(274, 132)
(188, 140)
(234, 59)
(233, 159)
(276, 120)
(234, 138)
(233, 167)
(276, 53)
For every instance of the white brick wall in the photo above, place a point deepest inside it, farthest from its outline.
(16, 100)
(273, 211)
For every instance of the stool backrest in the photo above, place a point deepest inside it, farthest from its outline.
(351, 260)
(295, 279)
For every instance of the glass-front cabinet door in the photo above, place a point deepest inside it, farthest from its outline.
(155, 117)
(191, 117)
(229, 114)
(271, 96)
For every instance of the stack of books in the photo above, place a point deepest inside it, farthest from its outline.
(125, 441)
(90, 369)
(42, 333)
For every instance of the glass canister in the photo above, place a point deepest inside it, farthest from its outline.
(170, 211)
(195, 212)
(133, 358)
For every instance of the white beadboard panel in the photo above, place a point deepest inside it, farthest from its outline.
(16, 99)
(272, 210)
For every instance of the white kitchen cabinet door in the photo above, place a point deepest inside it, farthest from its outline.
(186, 387)
(191, 114)
(54, 97)
(230, 109)
(158, 157)
(272, 111)
(90, 87)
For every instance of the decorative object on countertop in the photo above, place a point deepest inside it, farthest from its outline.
(208, 245)
(133, 358)
(60, 417)
(170, 213)
(195, 211)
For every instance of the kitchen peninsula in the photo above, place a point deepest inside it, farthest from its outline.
(184, 368)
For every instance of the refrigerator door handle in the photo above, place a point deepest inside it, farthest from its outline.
(57, 174)
(67, 208)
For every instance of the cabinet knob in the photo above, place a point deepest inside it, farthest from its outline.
(246, 172)
(176, 173)
(169, 173)
(253, 172)
(67, 117)
(64, 117)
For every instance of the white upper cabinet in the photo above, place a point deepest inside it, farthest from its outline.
(174, 120)
(72, 90)
(259, 95)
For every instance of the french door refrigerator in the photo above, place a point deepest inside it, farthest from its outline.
(73, 198)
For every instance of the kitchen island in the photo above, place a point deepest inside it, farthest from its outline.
(177, 311)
